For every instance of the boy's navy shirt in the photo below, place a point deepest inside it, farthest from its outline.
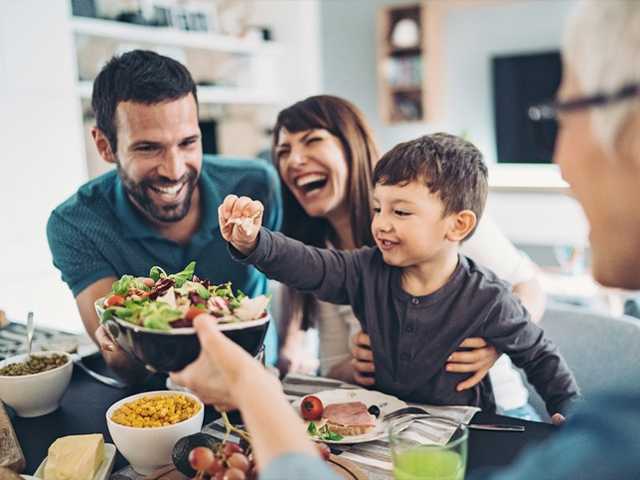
(412, 337)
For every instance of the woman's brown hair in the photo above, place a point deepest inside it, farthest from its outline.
(344, 121)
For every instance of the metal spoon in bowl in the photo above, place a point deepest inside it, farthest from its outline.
(30, 330)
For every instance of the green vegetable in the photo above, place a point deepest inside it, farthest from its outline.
(156, 273)
(183, 276)
(235, 301)
(121, 287)
(158, 315)
(312, 429)
(326, 434)
(202, 291)
(323, 433)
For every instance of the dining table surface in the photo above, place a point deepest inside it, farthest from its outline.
(86, 401)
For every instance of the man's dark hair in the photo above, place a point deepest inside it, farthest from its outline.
(138, 76)
(449, 166)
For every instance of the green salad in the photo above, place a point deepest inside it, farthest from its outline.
(164, 301)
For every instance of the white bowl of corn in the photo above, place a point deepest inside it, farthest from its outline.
(146, 426)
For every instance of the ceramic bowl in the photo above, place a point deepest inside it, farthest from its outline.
(39, 393)
(148, 449)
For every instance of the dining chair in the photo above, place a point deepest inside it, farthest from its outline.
(602, 351)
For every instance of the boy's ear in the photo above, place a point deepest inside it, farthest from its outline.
(103, 145)
(462, 225)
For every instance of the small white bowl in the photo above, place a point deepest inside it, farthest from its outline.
(148, 449)
(39, 393)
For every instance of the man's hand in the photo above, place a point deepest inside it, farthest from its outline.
(479, 361)
(363, 366)
(557, 419)
(240, 220)
(220, 369)
(117, 359)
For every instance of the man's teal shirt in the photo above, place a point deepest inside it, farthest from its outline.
(98, 232)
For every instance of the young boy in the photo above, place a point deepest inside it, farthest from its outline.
(414, 294)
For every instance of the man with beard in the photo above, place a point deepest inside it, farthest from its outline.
(159, 207)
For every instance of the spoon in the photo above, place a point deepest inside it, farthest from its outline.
(30, 329)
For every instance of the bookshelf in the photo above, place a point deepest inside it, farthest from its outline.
(407, 61)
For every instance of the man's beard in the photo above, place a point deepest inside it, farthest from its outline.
(139, 192)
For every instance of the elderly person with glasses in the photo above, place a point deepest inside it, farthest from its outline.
(598, 150)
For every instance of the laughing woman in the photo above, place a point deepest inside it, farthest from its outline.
(325, 152)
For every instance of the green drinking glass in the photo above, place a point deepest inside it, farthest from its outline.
(417, 459)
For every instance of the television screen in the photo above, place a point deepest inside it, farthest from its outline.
(520, 81)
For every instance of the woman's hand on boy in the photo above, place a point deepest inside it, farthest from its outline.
(478, 360)
(240, 219)
(362, 361)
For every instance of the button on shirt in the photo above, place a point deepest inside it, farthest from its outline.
(99, 233)
(473, 303)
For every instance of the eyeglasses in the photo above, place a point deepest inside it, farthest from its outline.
(545, 115)
(550, 110)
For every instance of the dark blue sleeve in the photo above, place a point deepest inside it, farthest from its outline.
(74, 254)
(600, 441)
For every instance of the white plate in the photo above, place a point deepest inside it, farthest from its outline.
(104, 470)
(386, 404)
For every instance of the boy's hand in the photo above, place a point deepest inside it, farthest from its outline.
(557, 419)
(240, 220)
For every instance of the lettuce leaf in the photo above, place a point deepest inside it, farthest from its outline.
(156, 273)
(185, 275)
(121, 287)
(158, 315)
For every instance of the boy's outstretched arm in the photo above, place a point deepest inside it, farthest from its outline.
(331, 275)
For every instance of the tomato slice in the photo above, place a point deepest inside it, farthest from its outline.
(193, 312)
(115, 301)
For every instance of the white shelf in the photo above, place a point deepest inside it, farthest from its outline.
(211, 95)
(526, 178)
(169, 36)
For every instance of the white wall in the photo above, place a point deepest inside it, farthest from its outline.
(296, 26)
(472, 35)
(42, 160)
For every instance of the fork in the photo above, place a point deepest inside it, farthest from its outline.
(401, 412)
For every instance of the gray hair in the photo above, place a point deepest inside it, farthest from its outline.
(602, 47)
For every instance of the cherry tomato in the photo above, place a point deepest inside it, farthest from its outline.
(201, 458)
(311, 408)
(114, 301)
(193, 312)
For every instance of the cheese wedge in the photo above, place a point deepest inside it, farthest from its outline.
(76, 457)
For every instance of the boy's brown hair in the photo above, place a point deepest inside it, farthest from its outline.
(450, 166)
